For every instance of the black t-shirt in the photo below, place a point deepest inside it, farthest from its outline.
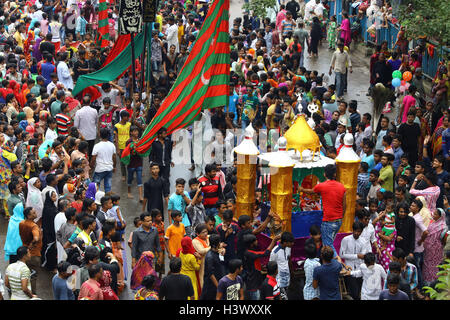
(76, 68)
(176, 287)
(240, 245)
(270, 289)
(252, 266)
(410, 135)
(47, 46)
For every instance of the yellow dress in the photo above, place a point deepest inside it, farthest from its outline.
(189, 266)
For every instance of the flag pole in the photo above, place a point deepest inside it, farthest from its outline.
(141, 84)
(133, 66)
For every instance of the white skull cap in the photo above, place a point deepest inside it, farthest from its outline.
(348, 139)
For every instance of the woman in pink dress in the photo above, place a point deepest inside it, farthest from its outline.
(408, 102)
(346, 33)
(433, 253)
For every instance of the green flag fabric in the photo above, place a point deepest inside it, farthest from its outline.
(115, 68)
(202, 83)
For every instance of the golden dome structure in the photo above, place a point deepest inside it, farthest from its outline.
(301, 137)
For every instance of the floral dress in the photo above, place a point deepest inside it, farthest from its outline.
(385, 258)
(331, 34)
(144, 294)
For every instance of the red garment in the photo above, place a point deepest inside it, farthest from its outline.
(210, 189)
(186, 246)
(105, 286)
(332, 193)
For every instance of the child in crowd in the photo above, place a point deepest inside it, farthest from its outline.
(373, 276)
(179, 200)
(281, 254)
(137, 223)
(158, 223)
(174, 233)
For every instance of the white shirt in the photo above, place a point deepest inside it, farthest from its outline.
(310, 6)
(172, 37)
(372, 280)
(86, 120)
(368, 234)
(350, 248)
(64, 75)
(104, 150)
(281, 257)
(318, 10)
(49, 134)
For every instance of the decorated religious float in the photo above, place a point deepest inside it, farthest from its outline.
(297, 162)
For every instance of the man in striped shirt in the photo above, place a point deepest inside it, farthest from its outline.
(18, 276)
(288, 24)
(63, 120)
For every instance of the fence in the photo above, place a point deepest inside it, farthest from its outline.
(430, 63)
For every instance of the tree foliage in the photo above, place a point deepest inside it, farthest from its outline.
(259, 7)
(441, 291)
(427, 18)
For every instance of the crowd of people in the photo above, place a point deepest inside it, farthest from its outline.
(58, 150)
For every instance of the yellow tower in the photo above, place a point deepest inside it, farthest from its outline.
(246, 174)
(301, 137)
(347, 164)
(281, 169)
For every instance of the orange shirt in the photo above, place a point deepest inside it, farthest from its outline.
(28, 230)
(174, 235)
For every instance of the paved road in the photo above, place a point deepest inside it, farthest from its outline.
(357, 87)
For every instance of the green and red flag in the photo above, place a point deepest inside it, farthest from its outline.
(202, 83)
(103, 25)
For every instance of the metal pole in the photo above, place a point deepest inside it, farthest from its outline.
(144, 50)
(133, 66)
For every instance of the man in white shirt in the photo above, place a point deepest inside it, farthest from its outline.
(172, 34)
(64, 75)
(352, 251)
(368, 233)
(309, 10)
(86, 120)
(318, 10)
(104, 160)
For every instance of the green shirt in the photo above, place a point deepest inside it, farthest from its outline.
(55, 107)
(36, 90)
(218, 220)
(387, 175)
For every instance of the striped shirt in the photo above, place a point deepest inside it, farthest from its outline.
(308, 290)
(287, 26)
(16, 272)
(63, 122)
(409, 274)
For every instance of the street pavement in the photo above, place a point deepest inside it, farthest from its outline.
(357, 87)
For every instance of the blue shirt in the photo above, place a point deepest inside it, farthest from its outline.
(370, 161)
(398, 152)
(446, 143)
(234, 99)
(47, 69)
(328, 277)
(176, 202)
(60, 289)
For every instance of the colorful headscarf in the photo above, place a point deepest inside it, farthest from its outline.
(143, 267)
